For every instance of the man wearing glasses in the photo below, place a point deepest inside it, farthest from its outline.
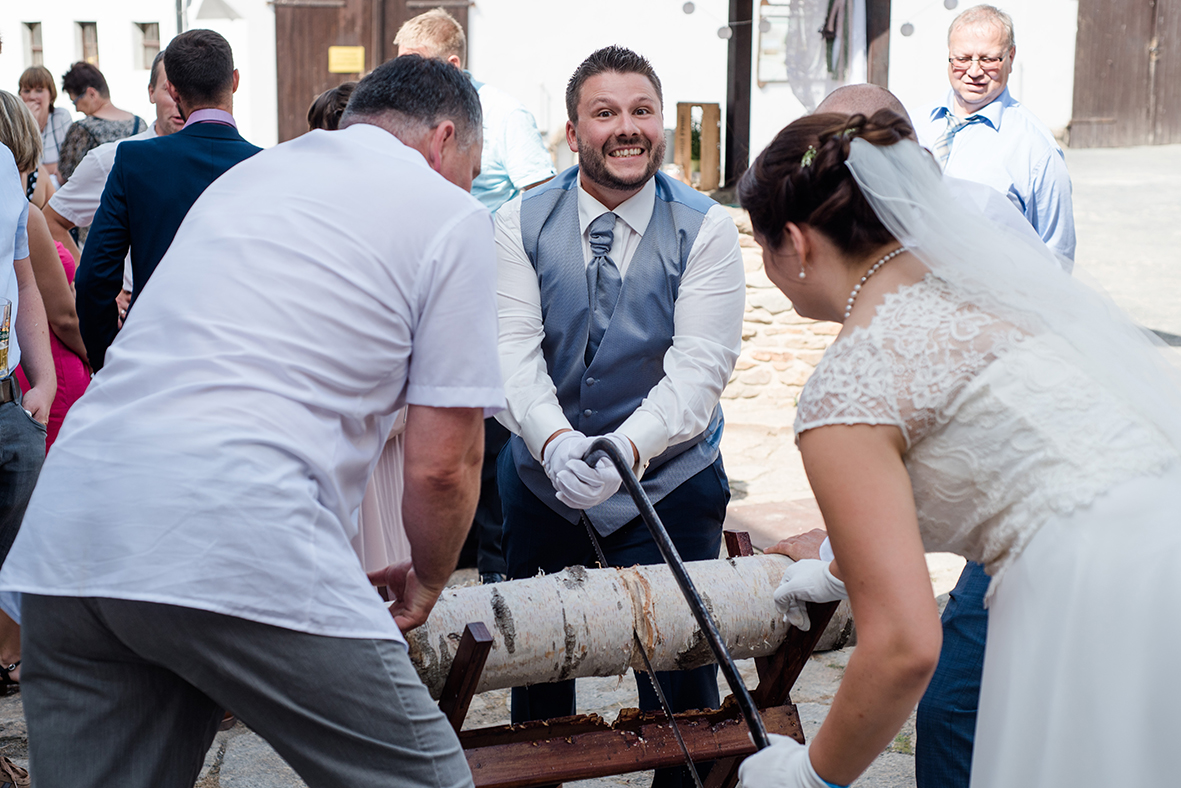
(980, 133)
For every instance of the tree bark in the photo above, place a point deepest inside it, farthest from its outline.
(579, 622)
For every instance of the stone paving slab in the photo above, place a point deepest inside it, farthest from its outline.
(767, 523)
(1127, 213)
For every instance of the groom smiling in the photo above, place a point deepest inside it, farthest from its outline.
(621, 295)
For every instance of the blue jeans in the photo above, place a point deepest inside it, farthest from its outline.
(489, 517)
(946, 723)
(536, 537)
(22, 451)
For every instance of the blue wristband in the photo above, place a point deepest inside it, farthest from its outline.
(832, 785)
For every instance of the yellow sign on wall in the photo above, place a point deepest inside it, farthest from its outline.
(346, 60)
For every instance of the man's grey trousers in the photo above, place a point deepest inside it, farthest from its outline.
(130, 694)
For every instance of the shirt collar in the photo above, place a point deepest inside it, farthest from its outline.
(992, 111)
(635, 210)
(210, 115)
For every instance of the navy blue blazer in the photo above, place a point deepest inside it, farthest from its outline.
(150, 189)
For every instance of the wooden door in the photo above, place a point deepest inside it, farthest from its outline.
(1127, 63)
(305, 29)
(1165, 55)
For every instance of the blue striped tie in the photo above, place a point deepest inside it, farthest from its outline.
(603, 282)
(954, 124)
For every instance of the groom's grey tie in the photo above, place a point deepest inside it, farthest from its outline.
(603, 281)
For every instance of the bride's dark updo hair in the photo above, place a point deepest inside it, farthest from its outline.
(788, 184)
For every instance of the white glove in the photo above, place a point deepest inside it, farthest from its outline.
(785, 764)
(805, 581)
(564, 447)
(580, 486)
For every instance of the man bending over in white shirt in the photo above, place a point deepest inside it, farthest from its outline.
(188, 547)
(621, 295)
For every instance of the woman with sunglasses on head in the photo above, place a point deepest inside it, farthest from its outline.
(104, 122)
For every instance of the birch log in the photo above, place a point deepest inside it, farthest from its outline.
(579, 622)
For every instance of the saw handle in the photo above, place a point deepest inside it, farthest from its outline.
(604, 447)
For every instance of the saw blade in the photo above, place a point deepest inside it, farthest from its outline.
(605, 447)
(649, 672)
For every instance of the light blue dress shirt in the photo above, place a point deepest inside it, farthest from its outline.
(1016, 154)
(14, 243)
(514, 155)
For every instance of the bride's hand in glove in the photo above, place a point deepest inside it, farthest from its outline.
(785, 764)
(810, 580)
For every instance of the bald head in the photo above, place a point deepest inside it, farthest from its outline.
(864, 100)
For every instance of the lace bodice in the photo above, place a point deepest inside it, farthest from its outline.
(1002, 429)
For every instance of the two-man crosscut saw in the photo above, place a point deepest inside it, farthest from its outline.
(754, 722)
(664, 704)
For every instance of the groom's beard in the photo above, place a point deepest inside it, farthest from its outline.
(594, 163)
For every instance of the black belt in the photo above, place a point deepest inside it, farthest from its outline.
(9, 390)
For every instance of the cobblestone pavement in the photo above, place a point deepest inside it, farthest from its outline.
(1128, 217)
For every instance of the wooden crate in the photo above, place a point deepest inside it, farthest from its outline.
(711, 143)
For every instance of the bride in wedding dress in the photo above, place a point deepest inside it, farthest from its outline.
(977, 401)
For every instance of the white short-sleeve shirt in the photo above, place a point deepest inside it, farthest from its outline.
(78, 200)
(217, 458)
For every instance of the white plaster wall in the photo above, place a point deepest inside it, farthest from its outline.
(772, 107)
(118, 58)
(252, 38)
(1043, 71)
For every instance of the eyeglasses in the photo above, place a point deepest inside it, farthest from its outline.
(988, 63)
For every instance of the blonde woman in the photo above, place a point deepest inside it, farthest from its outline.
(53, 268)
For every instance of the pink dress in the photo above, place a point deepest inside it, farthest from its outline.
(73, 376)
(381, 537)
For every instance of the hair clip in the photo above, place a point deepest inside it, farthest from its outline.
(808, 157)
(849, 131)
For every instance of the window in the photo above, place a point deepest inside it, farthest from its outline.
(88, 42)
(35, 56)
(147, 36)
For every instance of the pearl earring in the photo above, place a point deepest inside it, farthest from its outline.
(802, 275)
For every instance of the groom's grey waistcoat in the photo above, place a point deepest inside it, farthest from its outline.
(630, 359)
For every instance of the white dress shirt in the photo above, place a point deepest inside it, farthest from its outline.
(77, 202)
(216, 460)
(1016, 154)
(707, 327)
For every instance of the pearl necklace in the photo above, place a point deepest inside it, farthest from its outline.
(873, 270)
